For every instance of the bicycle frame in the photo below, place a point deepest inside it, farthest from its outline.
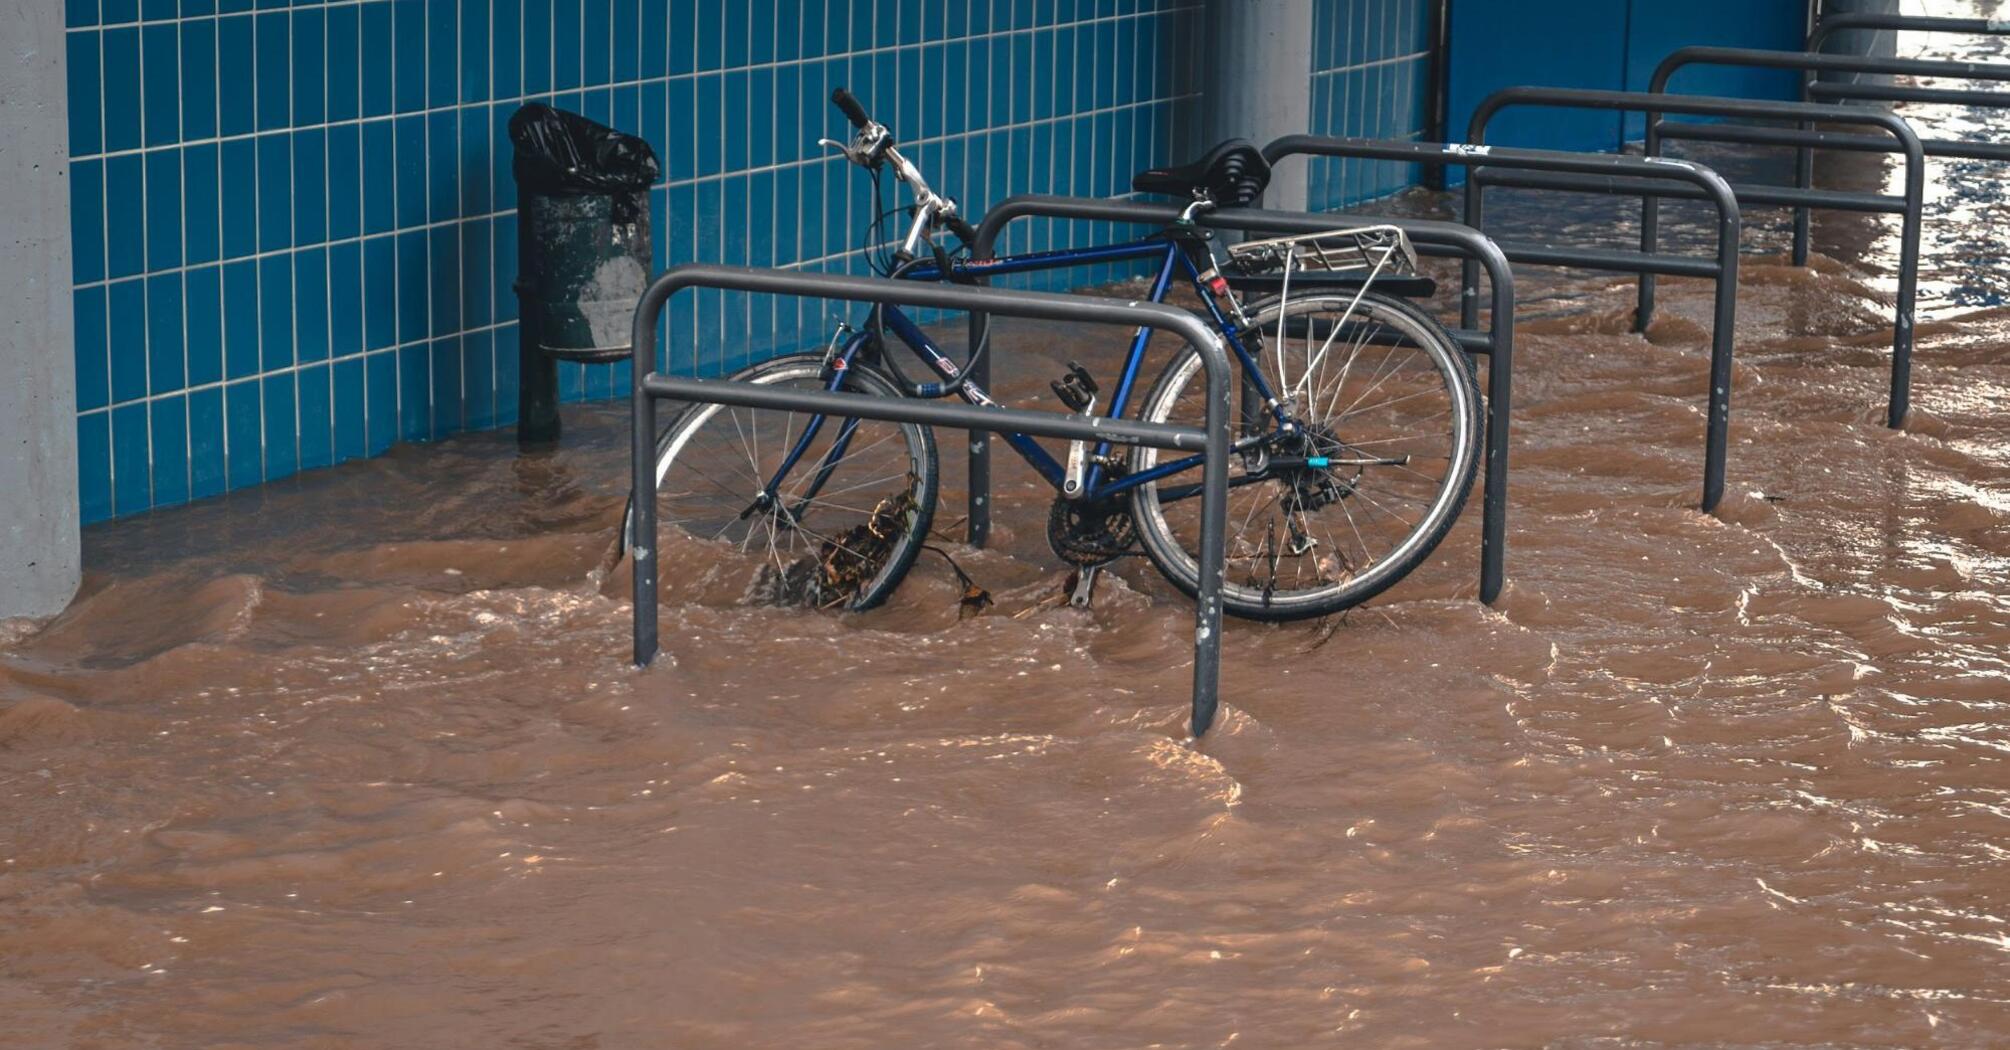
(1175, 257)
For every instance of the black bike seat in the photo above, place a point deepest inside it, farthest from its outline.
(1232, 174)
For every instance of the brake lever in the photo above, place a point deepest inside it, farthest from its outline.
(844, 148)
(864, 149)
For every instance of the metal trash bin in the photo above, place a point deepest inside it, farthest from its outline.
(583, 251)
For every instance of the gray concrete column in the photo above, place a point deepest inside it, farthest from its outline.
(1877, 43)
(1257, 83)
(39, 559)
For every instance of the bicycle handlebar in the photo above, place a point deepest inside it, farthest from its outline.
(848, 104)
(874, 144)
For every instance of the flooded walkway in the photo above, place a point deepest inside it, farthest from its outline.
(356, 760)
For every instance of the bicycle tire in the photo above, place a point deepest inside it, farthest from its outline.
(1244, 592)
(680, 439)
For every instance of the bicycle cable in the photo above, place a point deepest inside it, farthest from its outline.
(876, 328)
(888, 262)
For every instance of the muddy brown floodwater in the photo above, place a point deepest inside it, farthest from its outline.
(356, 759)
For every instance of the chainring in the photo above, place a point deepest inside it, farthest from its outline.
(1086, 534)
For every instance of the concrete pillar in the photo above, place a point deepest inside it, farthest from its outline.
(39, 559)
(1877, 43)
(1258, 81)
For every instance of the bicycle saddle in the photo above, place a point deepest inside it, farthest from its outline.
(1232, 174)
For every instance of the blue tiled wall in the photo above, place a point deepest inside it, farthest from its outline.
(295, 229)
(1370, 78)
(294, 226)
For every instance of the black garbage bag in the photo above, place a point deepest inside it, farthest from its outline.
(565, 154)
(583, 250)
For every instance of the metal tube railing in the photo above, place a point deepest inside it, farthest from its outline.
(1815, 62)
(1430, 237)
(1810, 62)
(1584, 173)
(1945, 96)
(1656, 105)
(1830, 25)
(649, 386)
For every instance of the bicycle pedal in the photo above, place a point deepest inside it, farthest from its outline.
(1077, 389)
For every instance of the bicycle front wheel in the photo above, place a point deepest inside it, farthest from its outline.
(840, 526)
(1384, 444)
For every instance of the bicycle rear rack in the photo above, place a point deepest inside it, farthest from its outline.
(1599, 173)
(1429, 237)
(650, 386)
(1369, 252)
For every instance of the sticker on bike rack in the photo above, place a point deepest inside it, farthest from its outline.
(1998, 25)
(1467, 149)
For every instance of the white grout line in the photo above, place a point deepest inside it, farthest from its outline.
(293, 234)
(146, 260)
(328, 218)
(362, 286)
(105, 254)
(181, 176)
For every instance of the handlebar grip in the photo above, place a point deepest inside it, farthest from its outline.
(848, 104)
(963, 230)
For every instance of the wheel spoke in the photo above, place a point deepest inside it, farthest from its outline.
(700, 492)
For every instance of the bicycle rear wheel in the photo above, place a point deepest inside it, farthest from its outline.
(1385, 443)
(845, 522)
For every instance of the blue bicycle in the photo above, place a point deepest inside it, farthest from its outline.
(1358, 438)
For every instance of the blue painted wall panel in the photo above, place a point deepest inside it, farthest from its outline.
(1560, 43)
(1606, 44)
(1659, 28)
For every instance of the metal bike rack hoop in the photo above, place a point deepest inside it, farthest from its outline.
(1816, 62)
(1603, 173)
(649, 386)
(1655, 105)
(1430, 237)
(1829, 25)
(1811, 62)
